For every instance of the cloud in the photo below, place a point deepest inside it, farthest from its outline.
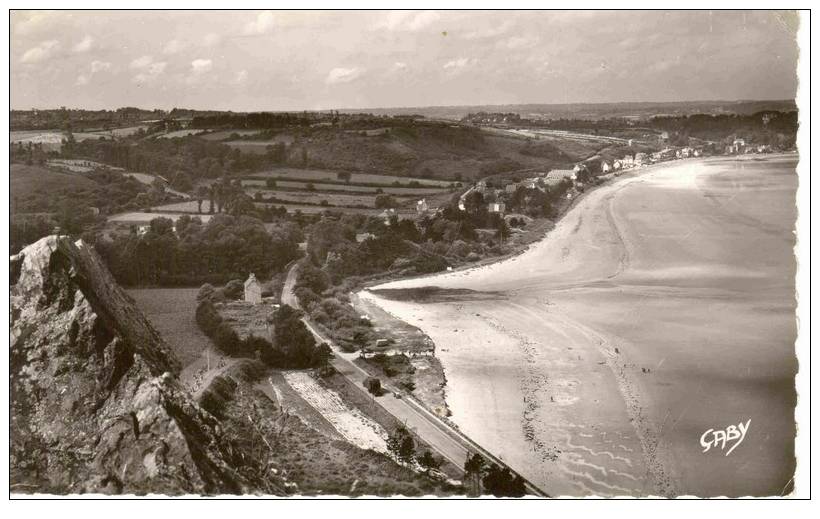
(149, 70)
(173, 46)
(343, 75)
(264, 22)
(398, 66)
(241, 77)
(491, 32)
(82, 79)
(408, 20)
(460, 63)
(519, 42)
(84, 45)
(142, 62)
(201, 66)
(98, 66)
(211, 39)
(41, 52)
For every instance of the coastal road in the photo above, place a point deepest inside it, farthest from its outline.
(443, 438)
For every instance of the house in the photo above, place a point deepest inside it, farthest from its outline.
(617, 165)
(253, 290)
(496, 207)
(511, 188)
(387, 214)
(421, 206)
(561, 174)
(641, 158)
(605, 167)
(627, 162)
(738, 146)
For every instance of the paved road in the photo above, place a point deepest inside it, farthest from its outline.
(447, 441)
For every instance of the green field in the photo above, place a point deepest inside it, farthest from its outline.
(318, 175)
(171, 312)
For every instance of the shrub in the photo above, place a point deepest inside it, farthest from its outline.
(234, 289)
(374, 386)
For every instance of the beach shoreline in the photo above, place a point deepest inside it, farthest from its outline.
(548, 317)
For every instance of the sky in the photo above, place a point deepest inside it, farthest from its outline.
(310, 60)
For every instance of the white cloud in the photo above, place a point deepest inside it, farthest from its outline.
(173, 46)
(399, 66)
(142, 62)
(343, 75)
(408, 20)
(201, 66)
(41, 52)
(84, 45)
(491, 32)
(82, 79)
(150, 71)
(460, 63)
(264, 22)
(211, 39)
(98, 66)
(241, 77)
(519, 42)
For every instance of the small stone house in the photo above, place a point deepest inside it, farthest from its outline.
(253, 290)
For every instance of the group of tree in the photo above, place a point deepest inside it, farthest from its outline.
(402, 446)
(192, 252)
(291, 345)
(481, 478)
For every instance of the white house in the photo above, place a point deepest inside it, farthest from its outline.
(421, 206)
(253, 290)
(496, 207)
(561, 174)
(605, 167)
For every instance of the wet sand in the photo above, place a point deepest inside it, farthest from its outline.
(661, 306)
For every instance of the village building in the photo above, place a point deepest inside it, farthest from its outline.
(641, 158)
(605, 167)
(561, 174)
(421, 206)
(627, 162)
(738, 146)
(387, 214)
(511, 188)
(496, 207)
(253, 290)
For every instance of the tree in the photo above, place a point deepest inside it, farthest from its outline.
(385, 201)
(428, 461)
(502, 230)
(344, 176)
(501, 483)
(373, 385)
(270, 183)
(401, 445)
(294, 340)
(473, 467)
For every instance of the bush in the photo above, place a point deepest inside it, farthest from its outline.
(234, 289)
(374, 386)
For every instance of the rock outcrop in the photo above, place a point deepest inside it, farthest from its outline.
(95, 403)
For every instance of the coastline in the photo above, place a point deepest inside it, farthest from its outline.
(625, 364)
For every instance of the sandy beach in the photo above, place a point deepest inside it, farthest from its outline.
(661, 306)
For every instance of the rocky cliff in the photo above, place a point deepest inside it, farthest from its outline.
(95, 403)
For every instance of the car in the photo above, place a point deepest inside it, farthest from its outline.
(396, 394)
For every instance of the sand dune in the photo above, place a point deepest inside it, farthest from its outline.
(662, 305)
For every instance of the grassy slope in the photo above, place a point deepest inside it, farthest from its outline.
(439, 152)
(27, 181)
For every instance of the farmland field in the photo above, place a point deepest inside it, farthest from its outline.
(226, 134)
(316, 197)
(390, 190)
(25, 181)
(171, 312)
(317, 175)
(180, 133)
(140, 217)
(260, 147)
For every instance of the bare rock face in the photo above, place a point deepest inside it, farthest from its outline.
(95, 403)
